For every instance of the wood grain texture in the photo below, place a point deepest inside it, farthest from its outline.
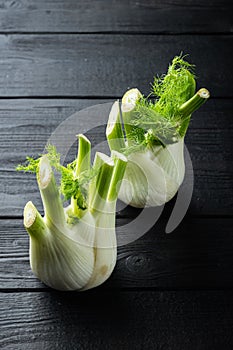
(117, 320)
(115, 16)
(106, 65)
(95, 50)
(26, 125)
(197, 255)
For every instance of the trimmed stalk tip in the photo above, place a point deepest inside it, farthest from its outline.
(113, 117)
(203, 93)
(194, 102)
(129, 99)
(99, 188)
(45, 172)
(120, 162)
(53, 208)
(114, 131)
(33, 221)
(128, 106)
(84, 154)
(29, 214)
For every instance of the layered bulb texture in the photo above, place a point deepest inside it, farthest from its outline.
(75, 248)
(150, 132)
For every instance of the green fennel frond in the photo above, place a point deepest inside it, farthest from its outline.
(31, 164)
(155, 128)
(156, 119)
(174, 88)
(70, 187)
(70, 184)
(53, 156)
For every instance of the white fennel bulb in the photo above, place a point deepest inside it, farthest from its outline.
(153, 177)
(150, 132)
(74, 248)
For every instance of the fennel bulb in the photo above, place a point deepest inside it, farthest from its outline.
(152, 135)
(74, 248)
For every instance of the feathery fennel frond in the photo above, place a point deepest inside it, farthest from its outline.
(157, 119)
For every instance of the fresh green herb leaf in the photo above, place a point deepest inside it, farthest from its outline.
(53, 156)
(174, 88)
(70, 186)
(31, 165)
(158, 121)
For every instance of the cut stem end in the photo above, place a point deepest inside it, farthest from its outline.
(84, 154)
(33, 221)
(29, 214)
(45, 172)
(114, 131)
(50, 196)
(118, 173)
(128, 107)
(100, 186)
(194, 102)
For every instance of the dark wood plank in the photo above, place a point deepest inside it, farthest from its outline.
(197, 255)
(113, 16)
(26, 125)
(120, 320)
(106, 65)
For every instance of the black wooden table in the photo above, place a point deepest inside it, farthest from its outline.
(167, 291)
